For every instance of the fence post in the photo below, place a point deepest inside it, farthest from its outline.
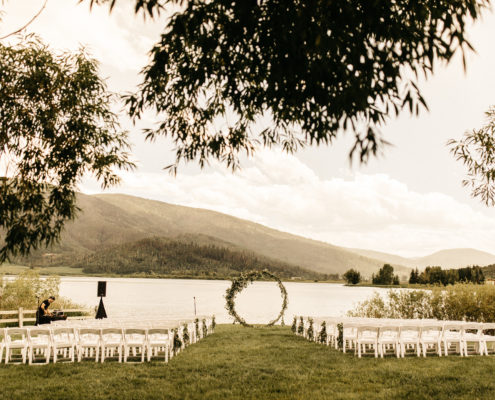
(21, 317)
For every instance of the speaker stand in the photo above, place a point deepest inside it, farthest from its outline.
(101, 313)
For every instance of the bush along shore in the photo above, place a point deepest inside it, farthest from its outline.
(469, 302)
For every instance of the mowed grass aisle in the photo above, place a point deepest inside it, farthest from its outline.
(259, 363)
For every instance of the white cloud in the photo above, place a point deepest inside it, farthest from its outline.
(367, 211)
(115, 39)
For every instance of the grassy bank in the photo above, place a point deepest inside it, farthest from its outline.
(400, 286)
(13, 269)
(261, 363)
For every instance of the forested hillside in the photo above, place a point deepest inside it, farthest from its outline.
(108, 220)
(184, 258)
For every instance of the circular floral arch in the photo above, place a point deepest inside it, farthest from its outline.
(240, 283)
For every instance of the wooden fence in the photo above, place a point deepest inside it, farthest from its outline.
(19, 316)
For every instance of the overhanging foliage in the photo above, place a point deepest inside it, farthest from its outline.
(56, 124)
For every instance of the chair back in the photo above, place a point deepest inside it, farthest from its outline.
(135, 334)
(63, 334)
(12, 334)
(472, 329)
(411, 332)
(89, 334)
(389, 332)
(111, 334)
(367, 332)
(452, 331)
(155, 334)
(349, 329)
(39, 335)
(431, 331)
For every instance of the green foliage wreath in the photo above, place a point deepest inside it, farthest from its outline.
(240, 283)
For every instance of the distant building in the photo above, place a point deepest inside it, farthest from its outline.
(489, 281)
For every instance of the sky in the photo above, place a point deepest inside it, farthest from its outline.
(409, 201)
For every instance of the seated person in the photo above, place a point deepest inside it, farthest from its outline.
(44, 316)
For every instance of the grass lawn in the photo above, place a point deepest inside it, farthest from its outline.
(259, 363)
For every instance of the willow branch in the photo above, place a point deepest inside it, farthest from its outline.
(27, 24)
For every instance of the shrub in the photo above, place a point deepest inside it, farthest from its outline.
(293, 327)
(196, 327)
(311, 332)
(468, 302)
(185, 334)
(27, 287)
(300, 328)
(352, 276)
(322, 337)
(205, 328)
(177, 343)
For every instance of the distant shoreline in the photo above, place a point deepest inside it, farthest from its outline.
(15, 270)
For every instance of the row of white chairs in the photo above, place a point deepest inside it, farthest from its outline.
(70, 341)
(397, 336)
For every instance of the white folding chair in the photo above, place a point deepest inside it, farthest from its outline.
(16, 339)
(135, 341)
(39, 340)
(88, 341)
(409, 337)
(452, 335)
(388, 337)
(367, 336)
(431, 338)
(488, 337)
(158, 341)
(332, 334)
(111, 340)
(472, 338)
(64, 341)
(2, 343)
(349, 336)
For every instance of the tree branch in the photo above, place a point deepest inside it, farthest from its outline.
(27, 24)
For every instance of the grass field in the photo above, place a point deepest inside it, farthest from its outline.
(260, 363)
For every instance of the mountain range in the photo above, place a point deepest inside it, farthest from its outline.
(450, 258)
(113, 219)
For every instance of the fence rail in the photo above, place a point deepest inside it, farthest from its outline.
(20, 314)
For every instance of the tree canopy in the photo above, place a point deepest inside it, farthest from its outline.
(476, 150)
(385, 276)
(227, 76)
(352, 276)
(56, 124)
(224, 78)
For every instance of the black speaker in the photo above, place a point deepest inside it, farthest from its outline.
(102, 288)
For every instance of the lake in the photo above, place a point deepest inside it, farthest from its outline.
(260, 302)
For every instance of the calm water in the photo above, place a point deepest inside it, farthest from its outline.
(258, 303)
